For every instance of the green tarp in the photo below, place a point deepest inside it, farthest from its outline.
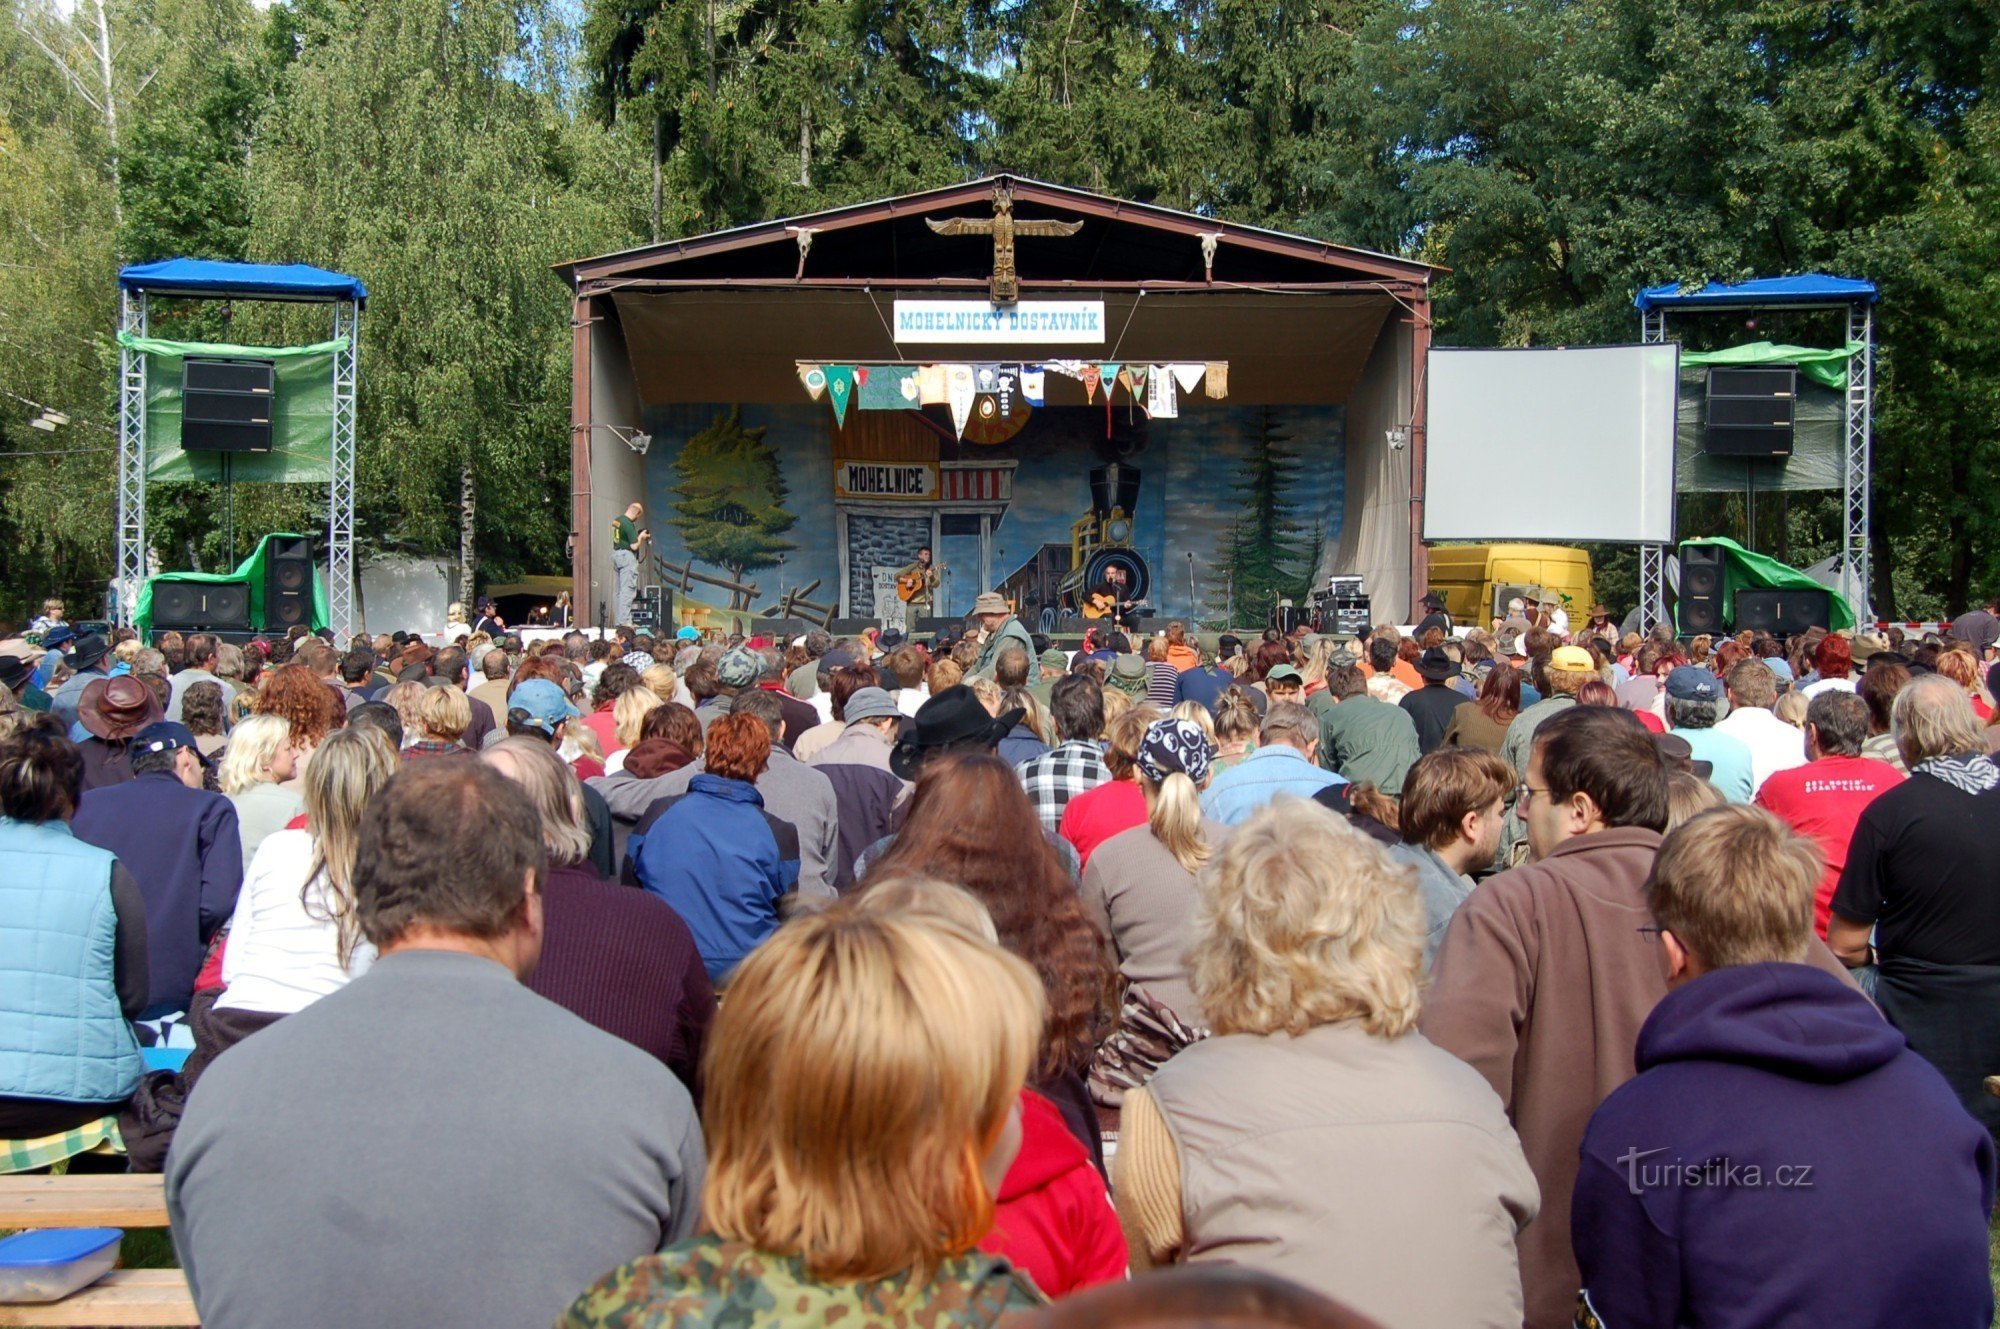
(250, 570)
(1743, 569)
(1826, 368)
(301, 413)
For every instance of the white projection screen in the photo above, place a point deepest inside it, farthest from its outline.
(1563, 444)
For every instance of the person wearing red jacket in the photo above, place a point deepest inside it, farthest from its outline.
(1052, 1218)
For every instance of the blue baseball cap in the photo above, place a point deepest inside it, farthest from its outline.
(1693, 683)
(544, 702)
(164, 735)
(689, 632)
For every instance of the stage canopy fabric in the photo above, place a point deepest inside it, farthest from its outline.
(250, 571)
(301, 413)
(1743, 569)
(260, 281)
(1809, 288)
(1826, 368)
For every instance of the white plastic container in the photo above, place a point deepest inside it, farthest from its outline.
(48, 1264)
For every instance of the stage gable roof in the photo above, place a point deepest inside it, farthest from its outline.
(886, 243)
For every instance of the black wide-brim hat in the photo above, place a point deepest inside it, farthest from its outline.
(954, 716)
(87, 651)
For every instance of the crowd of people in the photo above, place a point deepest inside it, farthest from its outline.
(1464, 978)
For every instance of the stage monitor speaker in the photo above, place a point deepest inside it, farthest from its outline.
(226, 405)
(1750, 410)
(288, 582)
(1783, 613)
(1700, 608)
(201, 606)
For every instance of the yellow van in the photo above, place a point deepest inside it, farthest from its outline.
(1476, 581)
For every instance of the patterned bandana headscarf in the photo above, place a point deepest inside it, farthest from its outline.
(1172, 745)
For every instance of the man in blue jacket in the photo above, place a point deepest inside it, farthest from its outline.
(1782, 1157)
(180, 843)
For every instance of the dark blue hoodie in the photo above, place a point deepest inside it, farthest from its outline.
(1795, 1165)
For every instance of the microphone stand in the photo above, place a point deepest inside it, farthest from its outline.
(1194, 598)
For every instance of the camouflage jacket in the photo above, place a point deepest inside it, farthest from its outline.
(709, 1283)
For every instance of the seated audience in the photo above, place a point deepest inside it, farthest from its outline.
(1772, 1105)
(72, 948)
(1140, 884)
(181, 845)
(1094, 816)
(622, 959)
(971, 824)
(1318, 1135)
(714, 853)
(862, 1104)
(433, 1143)
(1454, 804)
(1362, 737)
(1076, 764)
(871, 797)
(256, 775)
(1283, 763)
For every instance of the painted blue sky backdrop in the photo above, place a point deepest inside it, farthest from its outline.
(1186, 502)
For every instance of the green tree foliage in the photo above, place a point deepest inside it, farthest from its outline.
(731, 510)
(418, 146)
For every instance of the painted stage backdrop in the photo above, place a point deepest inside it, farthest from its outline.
(781, 499)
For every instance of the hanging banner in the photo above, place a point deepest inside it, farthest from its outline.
(1090, 374)
(931, 389)
(1107, 374)
(896, 482)
(1162, 400)
(1186, 375)
(887, 388)
(1032, 383)
(1218, 379)
(983, 323)
(814, 378)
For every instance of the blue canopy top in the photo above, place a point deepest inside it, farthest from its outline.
(1809, 288)
(264, 281)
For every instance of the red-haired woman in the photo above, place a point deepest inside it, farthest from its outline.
(714, 854)
(971, 824)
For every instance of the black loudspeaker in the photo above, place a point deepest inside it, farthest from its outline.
(1700, 607)
(288, 582)
(1750, 410)
(647, 608)
(226, 405)
(1783, 613)
(201, 606)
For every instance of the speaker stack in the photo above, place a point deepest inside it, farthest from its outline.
(226, 405)
(1750, 410)
(288, 583)
(1700, 606)
(201, 606)
(1783, 613)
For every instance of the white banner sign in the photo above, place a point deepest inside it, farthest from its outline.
(980, 322)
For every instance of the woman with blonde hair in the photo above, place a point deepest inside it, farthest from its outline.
(1317, 1135)
(862, 1108)
(442, 716)
(1197, 715)
(628, 716)
(1236, 727)
(256, 773)
(621, 959)
(1140, 889)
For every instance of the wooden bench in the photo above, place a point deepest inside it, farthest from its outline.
(127, 1200)
(122, 1297)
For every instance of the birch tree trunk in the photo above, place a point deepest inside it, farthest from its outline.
(467, 511)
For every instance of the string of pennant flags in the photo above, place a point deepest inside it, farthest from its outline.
(990, 390)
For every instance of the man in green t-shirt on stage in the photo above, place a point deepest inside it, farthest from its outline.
(917, 584)
(628, 540)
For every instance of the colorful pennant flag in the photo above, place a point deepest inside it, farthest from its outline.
(959, 386)
(1009, 376)
(1187, 376)
(1090, 375)
(1108, 373)
(1218, 379)
(986, 378)
(840, 387)
(814, 378)
(1162, 401)
(931, 388)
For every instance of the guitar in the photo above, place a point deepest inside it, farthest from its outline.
(910, 585)
(1102, 604)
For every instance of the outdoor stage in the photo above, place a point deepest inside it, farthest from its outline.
(793, 450)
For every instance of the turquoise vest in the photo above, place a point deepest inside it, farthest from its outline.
(62, 1033)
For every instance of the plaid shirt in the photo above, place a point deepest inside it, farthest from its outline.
(1059, 775)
